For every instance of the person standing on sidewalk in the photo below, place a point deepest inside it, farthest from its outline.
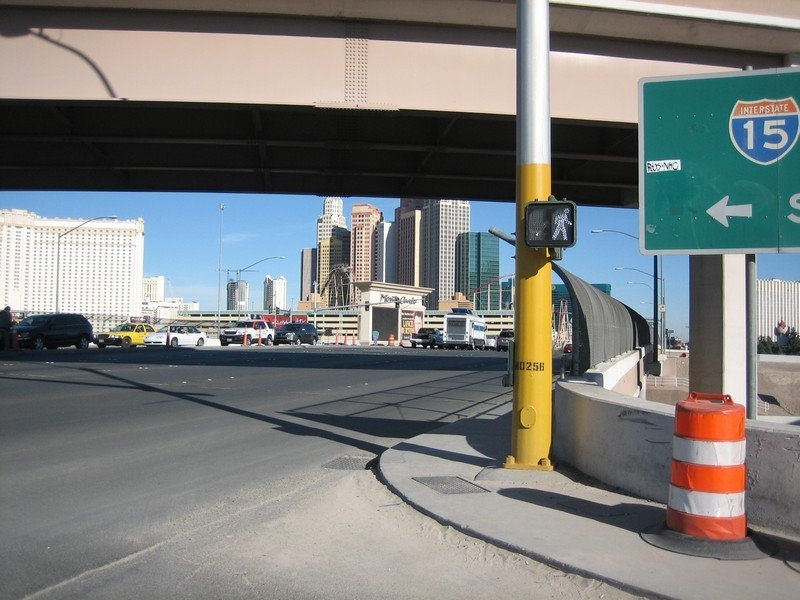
(5, 328)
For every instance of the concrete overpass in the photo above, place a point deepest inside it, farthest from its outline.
(358, 97)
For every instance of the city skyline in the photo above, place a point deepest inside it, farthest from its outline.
(182, 242)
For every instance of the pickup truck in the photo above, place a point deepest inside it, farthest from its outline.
(428, 337)
(248, 332)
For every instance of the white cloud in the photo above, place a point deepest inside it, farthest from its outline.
(235, 238)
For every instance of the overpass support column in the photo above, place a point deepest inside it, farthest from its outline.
(533, 356)
(717, 315)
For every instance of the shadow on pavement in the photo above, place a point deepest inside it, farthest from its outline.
(478, 461)
(292, 357)
(628, 516)
(356, 409)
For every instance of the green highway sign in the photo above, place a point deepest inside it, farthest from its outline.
(719, 163)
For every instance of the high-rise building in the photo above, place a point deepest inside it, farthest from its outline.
(478, 269)
(385, 252)
(94, 266)
(507, 299)
(332, 217)
(238, 295)
(308, 272)
(333, 252)
(275, 297)
(364, 219)
(153, 288)
(408, 225)
(778, 301)
(442, 221)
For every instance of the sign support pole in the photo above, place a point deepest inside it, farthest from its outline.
(533, 356)
(656, 369)
(751, 334)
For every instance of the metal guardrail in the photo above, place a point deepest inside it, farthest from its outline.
(667, 382)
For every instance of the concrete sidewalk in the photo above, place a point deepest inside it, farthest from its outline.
(565, 521)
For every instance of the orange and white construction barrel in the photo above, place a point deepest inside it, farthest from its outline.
(708, 473)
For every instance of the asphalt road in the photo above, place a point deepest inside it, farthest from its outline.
(106, 456)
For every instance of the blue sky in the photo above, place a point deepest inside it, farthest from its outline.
(182, 242)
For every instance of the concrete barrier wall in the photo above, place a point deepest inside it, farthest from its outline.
(626, 443)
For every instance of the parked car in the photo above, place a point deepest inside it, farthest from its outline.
(248, 332)
(179, 335)
(505, 336)
(54, 330)
(125, 335)
(491, 342)
(296, 333)
(428, 337)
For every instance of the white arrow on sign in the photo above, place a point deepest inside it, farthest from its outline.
(721, 211)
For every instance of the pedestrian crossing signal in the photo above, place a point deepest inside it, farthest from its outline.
(550, 224)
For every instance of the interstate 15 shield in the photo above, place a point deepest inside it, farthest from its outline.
(764, 131)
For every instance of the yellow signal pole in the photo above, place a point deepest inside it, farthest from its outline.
(531, 435)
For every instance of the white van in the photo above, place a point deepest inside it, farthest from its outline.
(464, 329)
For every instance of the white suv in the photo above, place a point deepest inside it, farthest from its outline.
(248, 333)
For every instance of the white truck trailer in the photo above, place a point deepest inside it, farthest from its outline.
(464, 329)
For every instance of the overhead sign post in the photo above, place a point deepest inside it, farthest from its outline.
(719, 163)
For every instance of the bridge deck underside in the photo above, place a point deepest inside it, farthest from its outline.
(141, 146)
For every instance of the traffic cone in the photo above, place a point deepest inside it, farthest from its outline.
(708, 462)
(391, 339)
(259, 337)
(705, 508)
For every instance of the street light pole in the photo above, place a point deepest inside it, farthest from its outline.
(655, 289)
(58, 253)
(315, 304)
(662, 302)
(240, 271)
(219, 265)
(657, 332)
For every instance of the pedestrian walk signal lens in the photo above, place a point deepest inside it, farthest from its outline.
(550, 224)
